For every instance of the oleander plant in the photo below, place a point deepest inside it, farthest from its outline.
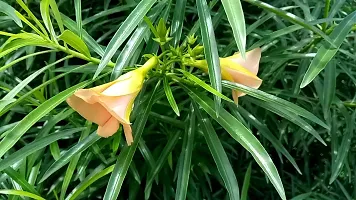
(178, 99)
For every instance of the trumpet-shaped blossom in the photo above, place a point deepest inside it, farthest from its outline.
(236, 69)
(110, 104)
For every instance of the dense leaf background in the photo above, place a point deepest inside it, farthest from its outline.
(294, 136)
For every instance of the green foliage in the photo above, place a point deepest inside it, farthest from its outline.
(293, 138)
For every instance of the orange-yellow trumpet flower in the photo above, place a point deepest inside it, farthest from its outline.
(110, 104)
(236, 69)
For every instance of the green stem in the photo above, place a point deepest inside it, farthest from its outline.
(172, 61)
(81, 56)
(163, 53)
(326, 13)
(200, 64)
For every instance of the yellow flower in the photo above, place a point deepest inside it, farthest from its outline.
(236, 69)
(110, 104)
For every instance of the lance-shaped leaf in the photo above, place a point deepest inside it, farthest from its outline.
(242, 135)
(10, 11)
(74, 41)
(327, 52)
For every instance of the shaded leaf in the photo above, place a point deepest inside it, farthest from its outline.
(66, 157)
(242, 135)
(10, 11)
(123, 32)
(184, 162)
(326, 52)
(124, 160)
(210, 49)
(277, 101)
(21, 193)
(236, 18)
(219, 155)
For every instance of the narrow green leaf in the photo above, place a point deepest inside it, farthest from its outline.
(184, 163)
(57, 14)
(126, 155)
(78, 15)
(67, 156)
(242, 135)
(18, 178)
(24, 83)
(30, 119)
(326, 52)
(123, 32)
(344, 147)
(44, 7)
(134, 172)
(23, 18)
(5, 102)
(265, 132)
(290, 116)
(21, 193)
(134, 42)
(96, 150)
(35, 171)
(35, 146)
(275, 100)
(82, 166)
(93, 45)
(107, 12)
(344, 191)
(326, 13)
(162, 159)
(32, 16)
(88, 181)
(29, 62)
(246, 184)
(302, 196)
(329, 87)
(11, 12)
(210, 49)
(28, 56)
(22, 42)
(146, 153)
(170, 97)
(284, 31)
(48, 126)
(236, 18)
(336, 7)
(291, 17)
(196, 25)
(169, 120)
(28, 94)
(177, 21)
(55, 151)
(74, 41)
(73, 162)
(219, 155)
(205, 86)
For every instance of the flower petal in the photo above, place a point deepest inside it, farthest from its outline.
(101, 88)
(119, 107)
(109, 128)
(244, 78)
(251, 62)
(235, 96)
(87, 95)
(128, 83)
(128, 134)
(92, 112)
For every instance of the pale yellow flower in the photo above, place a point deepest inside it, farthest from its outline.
(236, 69)
(110, 104)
